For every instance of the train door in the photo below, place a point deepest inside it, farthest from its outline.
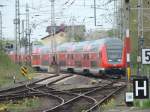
(77, 59)
(36, 61)
(61, 59)
(86, 60)
(70, 58)
(45, 59)
(94, 60)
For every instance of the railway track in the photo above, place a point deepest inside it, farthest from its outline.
(25, 89)
(22, 88)
(30, 90)
(81, 102)
(74, 100)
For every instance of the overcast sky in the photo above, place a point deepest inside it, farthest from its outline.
(70, 12)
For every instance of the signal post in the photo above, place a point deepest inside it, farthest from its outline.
(129, 94)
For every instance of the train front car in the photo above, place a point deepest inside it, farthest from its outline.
(113, 56)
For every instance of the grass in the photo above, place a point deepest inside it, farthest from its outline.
(134, 29)
(145, 70)
(20, 106)
(8, 69)
(109, 105)
(142, 104)
(133, 26)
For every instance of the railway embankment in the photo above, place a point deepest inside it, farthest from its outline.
(8, 71)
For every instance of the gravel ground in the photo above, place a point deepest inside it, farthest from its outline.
(83, 82)
(41, 76)
(75, 82)
(45, 102)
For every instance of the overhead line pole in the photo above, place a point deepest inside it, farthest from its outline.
(27, 47)
(121, 19)
(17, 27)
(22, 32)
(1, 35)
(127, 39)
(140, 34)
(53, 41)
(95, 18)
(52, 23)
(22, 29)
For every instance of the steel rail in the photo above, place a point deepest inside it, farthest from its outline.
(76, 98)
(105, 98)
(13, 89)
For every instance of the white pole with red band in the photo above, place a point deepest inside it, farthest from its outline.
(128, 49)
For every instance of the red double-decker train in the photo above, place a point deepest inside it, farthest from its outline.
(102, 56)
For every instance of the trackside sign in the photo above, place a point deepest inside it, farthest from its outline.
(140, 88)
(145, 56)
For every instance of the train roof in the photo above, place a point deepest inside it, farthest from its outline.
(93, 45)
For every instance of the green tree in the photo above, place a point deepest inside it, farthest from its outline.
(110, 33)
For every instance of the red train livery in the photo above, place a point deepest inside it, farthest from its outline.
(103, 56)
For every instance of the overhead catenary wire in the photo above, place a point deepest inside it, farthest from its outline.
(42, 8)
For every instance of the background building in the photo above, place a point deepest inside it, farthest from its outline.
(64, 34)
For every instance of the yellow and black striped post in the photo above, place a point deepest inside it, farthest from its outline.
(24, 70)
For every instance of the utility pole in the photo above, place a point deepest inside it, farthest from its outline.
(53, 41)
(53, 24)
(117, 18)
(127, 38)
(27, 38)
(22, 29)
(1, 35)
(73, 29)
(121, 34)
(140, 34)
(17, 27)
(84, 3)
(22, 37)
(95, 20)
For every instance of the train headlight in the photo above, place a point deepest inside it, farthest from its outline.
(119, 59)
(109, 60)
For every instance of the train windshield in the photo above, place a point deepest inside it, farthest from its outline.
(114, 53)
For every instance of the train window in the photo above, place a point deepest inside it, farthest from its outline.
(68, 56)
(35, 57)
(72, 56)
(78, 63)
(45, 62)
(93, 64)
(85, 56)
